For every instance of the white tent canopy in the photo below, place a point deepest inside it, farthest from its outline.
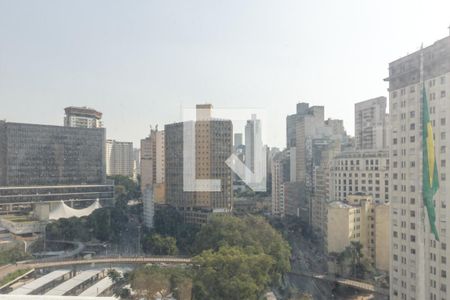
(65, 211)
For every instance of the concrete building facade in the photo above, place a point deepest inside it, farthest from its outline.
(419, 263)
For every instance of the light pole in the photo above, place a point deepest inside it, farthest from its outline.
(139, 240)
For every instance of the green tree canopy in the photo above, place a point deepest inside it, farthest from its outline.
(232, 273)
(160, 245)
(249, 233)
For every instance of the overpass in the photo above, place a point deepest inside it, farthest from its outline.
(356, 284)
(105, 260)
(54, 263)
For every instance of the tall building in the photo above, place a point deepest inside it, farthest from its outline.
(42, 163)
(370, 124)
(419, 263)
(213, 146)
(153, 164)
(83, 117)
(253, 143)
(119, 158)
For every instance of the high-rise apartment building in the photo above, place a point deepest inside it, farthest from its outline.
(419, 263)
(212, 147)
(119, 158)
(370, 124)
(83, 117)
(153, 164)
(42, 163)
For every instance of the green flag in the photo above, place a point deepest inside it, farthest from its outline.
(430, 178)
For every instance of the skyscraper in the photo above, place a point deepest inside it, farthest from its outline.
(419, 262)
(370, 124)
(119, 158)
(213, 146)
(83, 117)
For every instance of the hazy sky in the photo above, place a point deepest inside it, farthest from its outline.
(139, 62)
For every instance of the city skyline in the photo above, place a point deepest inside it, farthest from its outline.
(126, 60)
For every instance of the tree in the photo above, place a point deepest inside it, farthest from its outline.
(353, 258)
(160, 245)
(248, 233)
(126, 187)
(169, 222)
(232, 273)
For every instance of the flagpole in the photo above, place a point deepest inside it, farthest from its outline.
(421, 280)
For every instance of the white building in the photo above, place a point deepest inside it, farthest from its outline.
(419, 267)
(119, 158)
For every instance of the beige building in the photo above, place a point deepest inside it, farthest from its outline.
(355, 220)
(382, 232)
(419, 266)
(153, 164)
(213, 146)
(119, 158)
(364, 171)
